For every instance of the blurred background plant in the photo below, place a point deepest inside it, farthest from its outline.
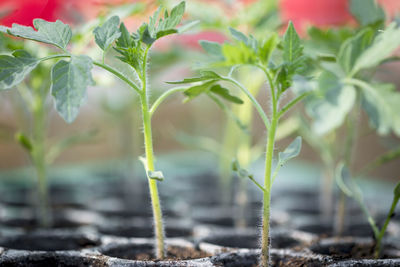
(347, 84)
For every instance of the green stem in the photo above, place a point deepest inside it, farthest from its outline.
(256, 183)
(118, 74)
(155, 200)
(55, 56)
(162, 97)
(252, 99)
(267, 192)
(378, 247)
(292, 103)
(158, 222)
(265, 241)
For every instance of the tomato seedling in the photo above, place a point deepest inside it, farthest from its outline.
(345, 61)
(32, 134)
(349, 187)
(279, 67)
(70, 78)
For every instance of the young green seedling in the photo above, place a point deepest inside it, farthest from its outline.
(279, 70)
(71, 78)
(34, 93)
(345, 63)
(348, 185)
(261, 18)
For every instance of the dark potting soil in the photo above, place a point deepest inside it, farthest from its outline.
(279, 258)
(351, 248)
(251, 240)
(323, 229)
(145, 252)
(49, 242)
(52, 259)
(144, 231)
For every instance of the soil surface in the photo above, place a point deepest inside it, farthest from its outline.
(351, 249)
(146, 253)
(45, 242)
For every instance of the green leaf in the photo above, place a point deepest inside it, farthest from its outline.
(157, 28)
(266, 49)
(106, 34)
(146, 36)
(125, 40)
(130, 48)
(54, 33)
(190, 80)
(292, 151)
(224, 93)
(69, 83)
(382, 47)
(353, 48)
(13, 69)
(330, 108)
(197, 90)
(213, 49)
(210, 74)
(176, 15)
(24, 141)
(283, 77)
(367, 12)
(326, 41)
(235, 165)
(239, 53)
(165, 33)
(239, 36)
(292, 48)
(156, 175)
(204, 76)
(243, 173)
(381, 102)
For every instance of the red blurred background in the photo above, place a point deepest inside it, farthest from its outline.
(301, 12)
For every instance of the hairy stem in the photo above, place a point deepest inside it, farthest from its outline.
(155, 200)
(267, 193)
(265, 244)
(292, 103)
(158, 222)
